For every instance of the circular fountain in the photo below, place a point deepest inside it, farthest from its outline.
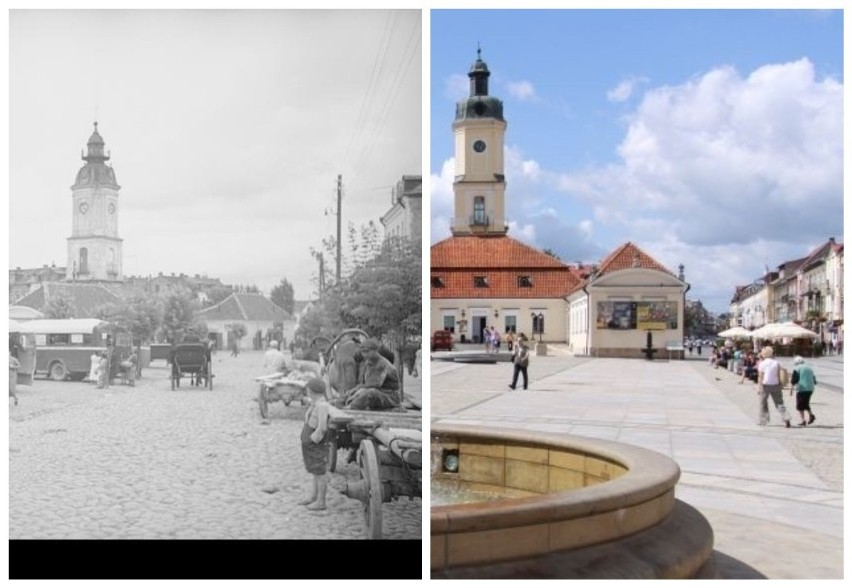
(560, 506)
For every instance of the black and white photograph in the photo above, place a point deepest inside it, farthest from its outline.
(215, 277)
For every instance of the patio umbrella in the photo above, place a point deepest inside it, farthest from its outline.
(736, 333)
(781, 330)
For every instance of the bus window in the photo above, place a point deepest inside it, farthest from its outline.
(59, 339)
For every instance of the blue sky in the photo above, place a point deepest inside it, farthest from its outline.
(711, 138)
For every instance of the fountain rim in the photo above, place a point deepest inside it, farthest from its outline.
(648, 475)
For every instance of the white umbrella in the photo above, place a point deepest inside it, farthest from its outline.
(736, 332)
(782, 330)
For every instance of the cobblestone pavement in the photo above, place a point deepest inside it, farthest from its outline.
(151, 463)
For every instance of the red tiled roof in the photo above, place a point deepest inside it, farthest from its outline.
(501, 260)
(481, 252)
(627, 256)
(546, 283)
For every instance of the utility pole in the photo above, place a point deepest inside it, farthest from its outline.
(339, 202)
(321, 280)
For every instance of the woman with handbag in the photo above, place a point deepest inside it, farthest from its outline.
(520, 359)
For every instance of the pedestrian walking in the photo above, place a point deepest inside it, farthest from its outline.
(315, 444)
(510, 340)
(698, 348)
(520, 361)
(803, 381)
(495, 339)
(769, 378)
(235, 349)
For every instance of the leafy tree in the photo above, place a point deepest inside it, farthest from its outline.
(59, 307)
(283, 295)
(178, 316)
(238, 330)
(217, 294)
(140, 316)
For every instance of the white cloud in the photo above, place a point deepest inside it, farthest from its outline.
(522, 90)
(724, 158)
(457, 87)
(624, 90)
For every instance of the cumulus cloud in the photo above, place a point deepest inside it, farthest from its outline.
(727, 158)
(522, 90)
(624, 90)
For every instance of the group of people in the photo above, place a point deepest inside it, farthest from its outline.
(771, 382)
(492, 338)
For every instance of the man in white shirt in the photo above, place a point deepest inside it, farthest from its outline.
(769, 384)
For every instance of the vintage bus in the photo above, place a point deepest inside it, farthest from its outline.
(64, 347)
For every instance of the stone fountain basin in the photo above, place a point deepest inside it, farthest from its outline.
(563, 495)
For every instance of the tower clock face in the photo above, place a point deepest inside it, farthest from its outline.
(111, 208)
(83, 207)
(479, 146)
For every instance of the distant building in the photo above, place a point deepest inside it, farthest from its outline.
(404, 219)
(257, 312)
(24, 281)
(84, 298)
(807, 291)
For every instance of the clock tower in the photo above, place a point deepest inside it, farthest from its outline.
(94, 247)
(479, 187)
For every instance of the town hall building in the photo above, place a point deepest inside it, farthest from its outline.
(482, 277)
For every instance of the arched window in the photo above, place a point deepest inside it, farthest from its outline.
(84, 260)
(479, 210)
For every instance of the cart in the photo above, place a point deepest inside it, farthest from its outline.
(386, 445)
(280, 388)
(389, 456)
(193, 360)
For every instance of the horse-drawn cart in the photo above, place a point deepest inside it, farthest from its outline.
(280, 388)
(192, 359)
(389, 457)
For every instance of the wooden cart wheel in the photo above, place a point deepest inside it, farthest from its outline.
(371, 474)
(263, 402)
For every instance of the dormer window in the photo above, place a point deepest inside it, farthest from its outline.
(437, 282)
(480, 282)
(525, 282)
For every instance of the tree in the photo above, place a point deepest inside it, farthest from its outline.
(217, 294)
(140, 316)
(178, 316)
(283, 295)
(59, 307)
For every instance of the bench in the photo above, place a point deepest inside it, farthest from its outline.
(674, 346)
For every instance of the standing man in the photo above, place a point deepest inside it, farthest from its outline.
(520, 359)
(803, 381)
(380, 387)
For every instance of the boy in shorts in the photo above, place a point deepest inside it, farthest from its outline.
(315, 444)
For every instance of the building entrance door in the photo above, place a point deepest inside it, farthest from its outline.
(478, 327)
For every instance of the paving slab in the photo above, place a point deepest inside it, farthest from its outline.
(774, 495)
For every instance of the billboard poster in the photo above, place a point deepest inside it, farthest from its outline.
(616, 315)
(656, 316)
